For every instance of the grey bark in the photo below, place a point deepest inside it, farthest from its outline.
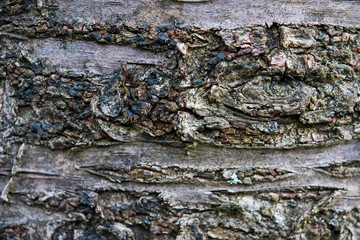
(179, 119)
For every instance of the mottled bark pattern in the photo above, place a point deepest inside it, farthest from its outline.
(132, 125)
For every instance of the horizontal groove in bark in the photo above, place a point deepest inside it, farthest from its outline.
(143, 199)
(166, 167)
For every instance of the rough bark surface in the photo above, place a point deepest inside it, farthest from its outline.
(179, 119)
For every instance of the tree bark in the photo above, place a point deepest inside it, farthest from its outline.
(179, 119)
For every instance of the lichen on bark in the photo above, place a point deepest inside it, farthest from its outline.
(277, 86)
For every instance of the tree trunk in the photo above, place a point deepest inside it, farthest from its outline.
(179, 119)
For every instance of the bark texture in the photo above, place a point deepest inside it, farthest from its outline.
(179, 119)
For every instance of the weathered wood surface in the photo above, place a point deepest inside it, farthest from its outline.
(212, 13)
(158, 189)
(179, 119)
